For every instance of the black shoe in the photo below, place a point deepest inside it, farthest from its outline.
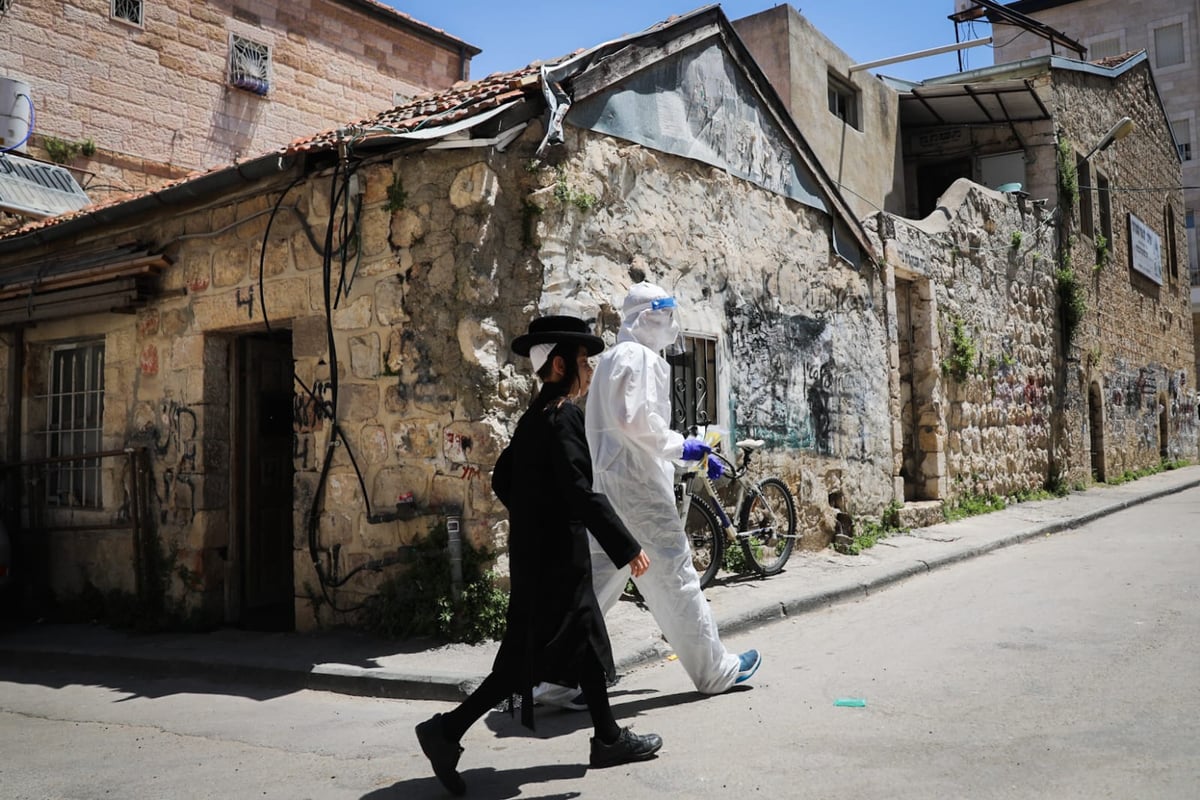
(442, 754)
(628, 747)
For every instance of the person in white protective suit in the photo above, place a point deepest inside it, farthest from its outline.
(633, 449)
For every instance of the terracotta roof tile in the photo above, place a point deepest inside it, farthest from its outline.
(1115, 61)
(461, 101)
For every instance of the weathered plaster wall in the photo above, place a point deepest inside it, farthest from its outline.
(989, 265)
(802, 359)
(428, 391)
(798, 59)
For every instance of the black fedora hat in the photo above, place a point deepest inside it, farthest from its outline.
(558, 329)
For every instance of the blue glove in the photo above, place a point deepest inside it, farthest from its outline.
(695, 449)
(715, 470)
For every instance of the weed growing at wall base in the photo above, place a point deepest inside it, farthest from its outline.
(972, 505)
(871, 531)
(420, 600)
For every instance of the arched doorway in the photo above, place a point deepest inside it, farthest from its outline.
(1096, 426)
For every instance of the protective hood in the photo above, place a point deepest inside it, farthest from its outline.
(649, 317)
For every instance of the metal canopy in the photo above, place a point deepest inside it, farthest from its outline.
(991, 103)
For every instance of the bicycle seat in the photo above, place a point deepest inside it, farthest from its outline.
(750, 444)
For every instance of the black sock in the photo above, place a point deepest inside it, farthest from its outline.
(595, 690)
(455, 723)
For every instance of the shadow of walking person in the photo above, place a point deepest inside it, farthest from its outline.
(487, 782)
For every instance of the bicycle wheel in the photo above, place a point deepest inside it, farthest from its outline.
(706, 538)
(770, 517)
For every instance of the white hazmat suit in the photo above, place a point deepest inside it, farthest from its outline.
(628, 430)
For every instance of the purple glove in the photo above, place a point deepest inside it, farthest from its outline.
(715, 470)
(695, 449)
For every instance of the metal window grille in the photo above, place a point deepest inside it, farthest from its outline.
(694, 384)
(249, 65)
(1104, 48)
(74, 421)
(127, 10)
(1168, 45)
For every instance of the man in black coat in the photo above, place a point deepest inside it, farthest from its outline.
(555, 627)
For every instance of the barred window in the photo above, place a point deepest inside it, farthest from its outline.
(1168, 45)
(249, 65)
(127, 11)
(694, 384)
(74, 422)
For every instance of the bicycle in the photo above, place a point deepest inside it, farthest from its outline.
(765, 511)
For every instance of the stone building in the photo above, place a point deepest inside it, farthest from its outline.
(849, 116)
(986, 396)
(1169, 32)
(131, 93)
(312, 365)
(1103, 353)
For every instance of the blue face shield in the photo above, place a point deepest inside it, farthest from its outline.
(657, 327)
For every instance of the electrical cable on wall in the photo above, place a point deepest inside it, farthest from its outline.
(345, 214)
(28, 129)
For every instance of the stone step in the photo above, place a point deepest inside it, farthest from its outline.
(921, 514)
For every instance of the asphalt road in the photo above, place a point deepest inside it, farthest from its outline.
(1066, 667)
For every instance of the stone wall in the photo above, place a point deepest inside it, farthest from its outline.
(427, 389)
(974, 390)
(801, 338)
(160, 93)
(1131, 349)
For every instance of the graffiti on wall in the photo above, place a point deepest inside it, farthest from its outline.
(1137, 398)
(175, 444)
(790, 390)
(309, 411)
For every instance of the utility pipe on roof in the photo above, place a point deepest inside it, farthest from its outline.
(933, 51)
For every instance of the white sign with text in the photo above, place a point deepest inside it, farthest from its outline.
(1145, 250)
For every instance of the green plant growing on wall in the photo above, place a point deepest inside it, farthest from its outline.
(1071, 303)
(62, 151)
(963, 351)
(420, 601)
(1017, 236)
(1068, 175)
(87, 148)
(564, 193)
(1102, 254)
(397, 198)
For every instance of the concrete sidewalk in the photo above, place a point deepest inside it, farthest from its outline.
(358, 664)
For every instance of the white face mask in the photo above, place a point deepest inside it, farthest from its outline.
(656, 328)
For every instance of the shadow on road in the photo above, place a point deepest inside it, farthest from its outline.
(487, 782)
(232, 662)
